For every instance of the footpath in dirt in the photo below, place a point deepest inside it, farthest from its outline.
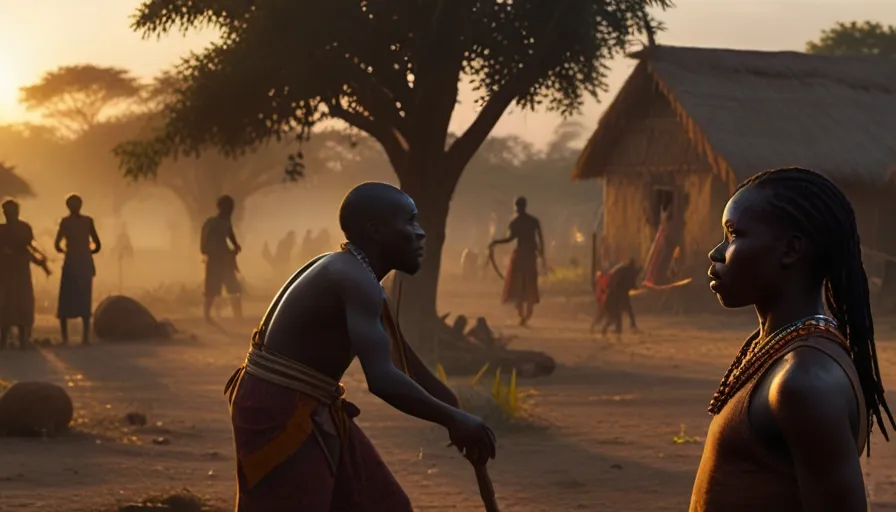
(625, 420)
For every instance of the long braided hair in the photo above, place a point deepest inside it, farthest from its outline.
(822, 213)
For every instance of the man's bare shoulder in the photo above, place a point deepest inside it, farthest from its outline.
(345, 273)
(529, 220)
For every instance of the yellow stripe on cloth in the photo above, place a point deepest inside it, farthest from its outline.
(297, 430)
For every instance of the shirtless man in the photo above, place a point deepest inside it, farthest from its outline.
(521, 281)
(220, 259)
(296, 443)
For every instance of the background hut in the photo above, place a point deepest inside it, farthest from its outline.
(691, 123)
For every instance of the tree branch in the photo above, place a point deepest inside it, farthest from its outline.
(463, 149)
(265, 179)
(392, 144)
(376, 99)
(437, 74)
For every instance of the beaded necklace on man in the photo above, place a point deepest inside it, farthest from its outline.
(359, 254)
(758, 352)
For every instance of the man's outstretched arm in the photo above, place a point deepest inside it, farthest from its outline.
(539, 238)
(431, 383)
(511, 236)
(232, 237)
(363, 309)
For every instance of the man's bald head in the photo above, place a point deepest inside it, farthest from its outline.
(368, 203)
(382, 220)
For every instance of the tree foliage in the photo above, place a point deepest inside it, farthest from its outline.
(76, 97)
(388, 67)
(854, 38)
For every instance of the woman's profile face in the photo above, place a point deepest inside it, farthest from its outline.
(746, 267)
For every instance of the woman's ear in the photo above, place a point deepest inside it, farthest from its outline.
(795, 247)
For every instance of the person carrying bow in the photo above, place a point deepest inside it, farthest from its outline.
(521, 281)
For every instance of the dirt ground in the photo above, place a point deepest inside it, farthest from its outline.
(614, 406)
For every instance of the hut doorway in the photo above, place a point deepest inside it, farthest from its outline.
(662, 258)
(661, 200)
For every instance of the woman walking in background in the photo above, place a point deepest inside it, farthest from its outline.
(17, 254)
(76, 286)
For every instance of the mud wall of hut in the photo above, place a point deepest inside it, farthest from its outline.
(653, 157)
(876, 217)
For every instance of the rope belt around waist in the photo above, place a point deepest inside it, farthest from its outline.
(285, 372)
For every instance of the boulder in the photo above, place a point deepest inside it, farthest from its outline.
(35, 409)
(120, 318)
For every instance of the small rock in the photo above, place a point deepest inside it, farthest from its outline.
(137, 419)
(616, 466)
(120, 318)
(161, 441)
(35, 409)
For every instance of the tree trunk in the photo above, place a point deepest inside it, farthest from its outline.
(417, 311)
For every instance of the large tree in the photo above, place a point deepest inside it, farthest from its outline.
(198, 181)
(854, 38)
(75, 98)
(390, 68)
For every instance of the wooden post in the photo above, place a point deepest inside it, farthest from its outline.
(593, 260)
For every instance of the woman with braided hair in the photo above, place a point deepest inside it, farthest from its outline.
(794, 411)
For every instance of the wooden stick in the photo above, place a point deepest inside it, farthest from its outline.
(486, 489)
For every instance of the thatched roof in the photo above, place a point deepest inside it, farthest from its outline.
(11, 184)
(751, 110)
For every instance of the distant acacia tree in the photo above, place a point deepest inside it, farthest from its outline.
(199, 180)
(562, 145)
(854, 38)
(390, 68)
(76, 97)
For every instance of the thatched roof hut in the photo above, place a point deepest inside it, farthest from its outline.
(11, 184)
(752, 110)
(690, 123)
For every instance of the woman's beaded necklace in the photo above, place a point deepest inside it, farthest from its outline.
(757, 353)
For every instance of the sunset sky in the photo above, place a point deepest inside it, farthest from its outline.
(38, 35)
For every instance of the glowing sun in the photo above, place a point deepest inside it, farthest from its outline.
(10, 81)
